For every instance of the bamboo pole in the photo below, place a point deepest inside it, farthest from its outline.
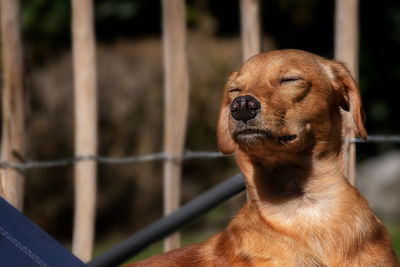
(346, 50)
(250, 27)
(14, 95)
(176, 89)
(85, 96)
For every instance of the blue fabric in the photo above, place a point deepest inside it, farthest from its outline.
(23, 243)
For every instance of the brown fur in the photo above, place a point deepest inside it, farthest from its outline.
(301, 211)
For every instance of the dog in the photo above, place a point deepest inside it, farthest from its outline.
(281, 118)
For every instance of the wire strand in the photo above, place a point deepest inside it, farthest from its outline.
(378, 139)
(188, 155)
(160, 156)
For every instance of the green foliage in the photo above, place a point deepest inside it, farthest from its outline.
(394, 231)
(124, 9)
(46, 18)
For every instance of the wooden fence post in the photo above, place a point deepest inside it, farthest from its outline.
(346, 50)
(14, 95)
(85, 96)
(250, 27)
(176, 88)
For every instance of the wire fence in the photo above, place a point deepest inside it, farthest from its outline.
(160, 156)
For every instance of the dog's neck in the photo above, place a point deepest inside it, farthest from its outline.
(289, 178)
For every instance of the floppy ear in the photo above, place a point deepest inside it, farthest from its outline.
(224, 137)
(348, 96)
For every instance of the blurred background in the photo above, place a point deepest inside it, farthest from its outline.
(130, 84)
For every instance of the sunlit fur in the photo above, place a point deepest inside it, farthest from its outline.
(301, 211)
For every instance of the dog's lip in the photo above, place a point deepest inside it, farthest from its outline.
(265, 133)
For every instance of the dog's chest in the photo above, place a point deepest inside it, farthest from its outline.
(285, 257)
(267, 248)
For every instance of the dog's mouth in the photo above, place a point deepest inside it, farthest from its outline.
(258, 133)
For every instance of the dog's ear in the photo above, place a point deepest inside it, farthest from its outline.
(348, 96)
(224, 138)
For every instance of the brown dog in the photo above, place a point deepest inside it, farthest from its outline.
(280, 115)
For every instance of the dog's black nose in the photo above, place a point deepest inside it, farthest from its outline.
(244, 108)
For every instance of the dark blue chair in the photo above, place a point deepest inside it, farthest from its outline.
(23, 243)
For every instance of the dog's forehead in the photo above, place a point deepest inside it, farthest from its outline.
(267, 68)
(281, 61)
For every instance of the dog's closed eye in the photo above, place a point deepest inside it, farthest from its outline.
(288, 79)
(234, 90)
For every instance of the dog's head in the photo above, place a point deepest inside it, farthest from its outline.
(286, 100)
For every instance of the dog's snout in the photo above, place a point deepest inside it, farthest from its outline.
(244, 108)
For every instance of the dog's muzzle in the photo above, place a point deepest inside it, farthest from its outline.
(245, 108)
